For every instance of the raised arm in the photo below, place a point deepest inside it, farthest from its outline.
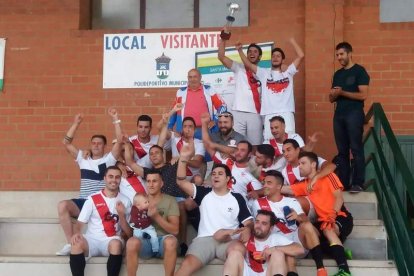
(227, 62)
(129, 158)
(70, 134)
(162, 125)
(299, 52)
(252, 67)
(312, 140)
(186, 153)
(117, 147)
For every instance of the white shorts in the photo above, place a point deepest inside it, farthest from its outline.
(294, 236)
(289, 123)
(249, 125)
(247, 271)
(99, 247)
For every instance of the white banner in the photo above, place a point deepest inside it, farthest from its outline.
(152, 60)
(2, 55)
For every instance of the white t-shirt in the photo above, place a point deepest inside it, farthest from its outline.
(277, 209)
(279, 146)
(243, 96)
(245, 181)
(272, 241)
(128, 190)
(198, 146)
(92, 172)
(145, 161)
(277, 90)
(91, 216)
(219, 212)
(295, 172)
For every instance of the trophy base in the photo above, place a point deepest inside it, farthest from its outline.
(230, 18)
(225, 35)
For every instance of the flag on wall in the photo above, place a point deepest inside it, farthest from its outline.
(2, 53)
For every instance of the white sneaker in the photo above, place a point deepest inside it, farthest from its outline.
(65, 251)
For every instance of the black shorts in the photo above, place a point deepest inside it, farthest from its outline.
(345, 225)
(79, 202)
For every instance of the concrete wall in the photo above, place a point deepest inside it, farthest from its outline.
(54, 70)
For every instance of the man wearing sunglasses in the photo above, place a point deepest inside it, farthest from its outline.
(246, 104)
(227, 138)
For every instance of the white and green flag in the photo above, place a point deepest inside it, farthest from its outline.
(2, 53)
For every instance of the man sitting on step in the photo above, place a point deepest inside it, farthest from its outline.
(107, 213)
(335, 223)
(92, 168)
(266, 251)
(219, 209)
(291, 221)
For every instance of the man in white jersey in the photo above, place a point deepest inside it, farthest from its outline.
(177, 140)
(244, 182)
(277, 86)
(266, 251)
(219, 209)
(107, 214)
(131, 184)
(92, 170)
(291, 222)
(143, 141)
(246, 105)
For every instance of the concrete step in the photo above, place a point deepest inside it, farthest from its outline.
(362, 205)
(20, 204)
(59, 266)
(45, 237)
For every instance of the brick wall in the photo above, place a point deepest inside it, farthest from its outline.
(54, 70)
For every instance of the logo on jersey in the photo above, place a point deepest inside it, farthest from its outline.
(162, 66)
(278, 86)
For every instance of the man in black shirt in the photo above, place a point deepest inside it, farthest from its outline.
(349, 91)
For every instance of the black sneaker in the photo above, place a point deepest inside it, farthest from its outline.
(356, 189)
(183, 249)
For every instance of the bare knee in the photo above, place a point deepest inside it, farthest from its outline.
(170, 243)
(66, 207)
(277, 256)
(133, 245)
(115, 247)
(236, 246)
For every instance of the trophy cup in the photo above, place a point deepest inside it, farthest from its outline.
(233, 7)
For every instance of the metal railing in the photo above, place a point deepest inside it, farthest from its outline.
(393, 184)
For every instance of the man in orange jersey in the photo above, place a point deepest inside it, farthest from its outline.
(335, 223)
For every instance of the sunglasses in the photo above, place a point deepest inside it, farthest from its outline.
(225, 115)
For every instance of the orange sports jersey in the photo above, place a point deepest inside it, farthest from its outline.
(322, 196)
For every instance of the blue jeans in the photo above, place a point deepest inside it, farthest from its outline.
(146, 248)
(348, 130)
(150, 230)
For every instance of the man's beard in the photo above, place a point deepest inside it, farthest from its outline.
(225, 131)
(260, 235)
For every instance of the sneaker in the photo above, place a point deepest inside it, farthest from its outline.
(322, 272)
(348, 253)
(65, 251)
(342, 272)
(356, 189)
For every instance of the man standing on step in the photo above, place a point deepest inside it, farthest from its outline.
(246, 105)
(92, 169)
(107, 214)
(277, 86)
(349, 91)
(335, 223)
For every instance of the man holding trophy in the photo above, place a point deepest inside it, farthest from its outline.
(246, 105)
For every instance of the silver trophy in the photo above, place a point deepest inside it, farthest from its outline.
(233, 8)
